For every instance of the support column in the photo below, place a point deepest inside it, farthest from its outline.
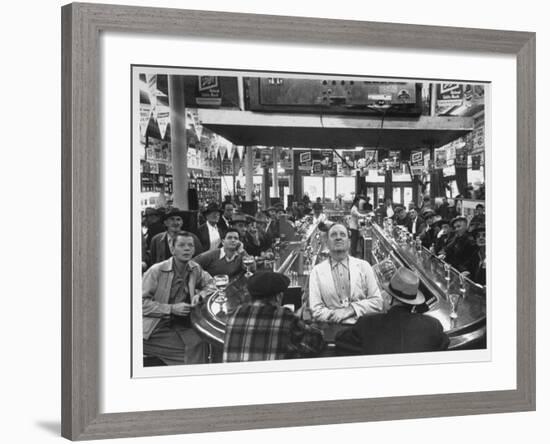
(276, 171)
(249, 172)
(265, 188)
(388, 185)
(178, 141)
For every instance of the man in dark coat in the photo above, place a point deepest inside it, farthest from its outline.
(429, 235)
(461, 249)
(225, 220)
(209, 232)
(398, 330)
(161, 244)
(415, 224)
(479, 268)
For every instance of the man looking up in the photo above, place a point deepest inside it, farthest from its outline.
(170, 289)
(342, 288)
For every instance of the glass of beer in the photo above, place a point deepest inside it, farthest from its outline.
(453, 299)
(247, 262)
(221, 281)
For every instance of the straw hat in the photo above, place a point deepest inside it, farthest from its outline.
(403, 286)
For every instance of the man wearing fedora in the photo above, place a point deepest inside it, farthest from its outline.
(170, 290)
(263, 330)
(209, 232)
(342, 288)
(399, 330)
(161, 244)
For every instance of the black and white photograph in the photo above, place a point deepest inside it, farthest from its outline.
(289, 216)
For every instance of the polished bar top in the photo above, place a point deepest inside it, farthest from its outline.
(467, 322)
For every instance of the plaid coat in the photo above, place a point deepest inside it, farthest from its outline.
(261, 331)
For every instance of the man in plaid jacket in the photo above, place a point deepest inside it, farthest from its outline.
(264, 330)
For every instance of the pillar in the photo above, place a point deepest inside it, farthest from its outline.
(276, 171)
(178, 140)
(249, 172)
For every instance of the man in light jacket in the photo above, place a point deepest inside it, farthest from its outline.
(171, 289)
(342, 288)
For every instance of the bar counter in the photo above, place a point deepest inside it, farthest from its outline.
(457, 302)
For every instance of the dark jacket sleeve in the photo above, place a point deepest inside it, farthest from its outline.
(348, 342)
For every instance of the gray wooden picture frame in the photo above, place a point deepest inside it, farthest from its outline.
(81, 253)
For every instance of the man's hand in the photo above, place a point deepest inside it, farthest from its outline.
(341, 314)
(196, 299)
(240, 248)
(181, 309)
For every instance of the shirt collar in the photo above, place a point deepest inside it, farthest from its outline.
(222, 255)
(344, 262)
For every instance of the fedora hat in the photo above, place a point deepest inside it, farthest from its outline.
(239, 217)
(212, 207)
(173, 211)
(439, 223)
(403, 286)
(456, 219)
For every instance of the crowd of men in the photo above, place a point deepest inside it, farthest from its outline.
(456, 239)
(178, 274)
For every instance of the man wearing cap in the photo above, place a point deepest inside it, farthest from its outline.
(460, 249)
(401, 217)
(225, 220)
(262, 330)
(342, 288)
(225, 260)
(209, 232)
(170, 290)
(161, 244)
(398, 330)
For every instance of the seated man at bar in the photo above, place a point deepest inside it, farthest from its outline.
(170, 290)
(399, 330)
(161, 244)
(442, 229)
(429, 234)
(415, 224)
(255, 241)
(263, 234)
(318, 215)
(401, 217)
(342, 288)
(460, 249)
(479, 265)
(264, 330)
(225, 260)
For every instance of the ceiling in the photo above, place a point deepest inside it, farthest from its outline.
(315, 131)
